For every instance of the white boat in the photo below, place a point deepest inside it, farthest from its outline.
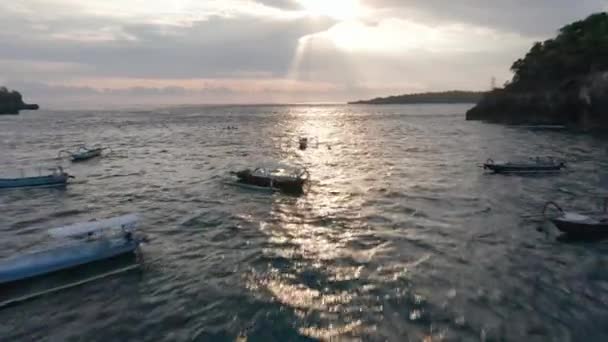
(81, 244)
(83, 153)
(123, 224)
(594, 223)
(57, 177)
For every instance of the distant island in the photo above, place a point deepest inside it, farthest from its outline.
(11, 102)
(561, 81)
(453, 96)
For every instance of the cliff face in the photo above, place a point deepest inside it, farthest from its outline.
(560, 81)
(580, 104)
(11, 102)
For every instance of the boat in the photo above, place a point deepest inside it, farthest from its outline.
(579, 224)
(304, 142)
(81, 244)
(289, 180)
(533, 165)
(56, 178)
(83, 153)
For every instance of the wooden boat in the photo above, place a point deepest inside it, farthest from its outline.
(576, 224)
(56, 178)
(534, 165)
(86, 243)
(83, 153)
(283, 179)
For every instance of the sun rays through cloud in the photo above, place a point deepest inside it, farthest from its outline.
(269, 50)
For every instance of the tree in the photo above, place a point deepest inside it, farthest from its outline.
(579, 48)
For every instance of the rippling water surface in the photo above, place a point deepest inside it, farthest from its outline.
(399, 237)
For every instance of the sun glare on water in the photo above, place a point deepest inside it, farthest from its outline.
(336, 9)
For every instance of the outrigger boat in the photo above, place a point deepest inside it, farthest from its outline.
(303, 142)
(534, 165)
(84, 243)
(575, 224)
(56, 178)
(289, 180)
(83, 153)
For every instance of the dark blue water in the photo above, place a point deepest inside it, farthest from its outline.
(399, 237)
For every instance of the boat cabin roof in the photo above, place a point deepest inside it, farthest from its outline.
(126, 223)
(584, 219)
(282, 171)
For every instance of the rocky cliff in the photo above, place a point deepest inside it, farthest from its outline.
(560, 81)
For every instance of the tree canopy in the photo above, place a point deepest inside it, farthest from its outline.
(8, 96)
(11, 102)
(579, 48)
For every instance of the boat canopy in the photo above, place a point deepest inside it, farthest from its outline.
(283, 172)
(578, 218)
(126, 223)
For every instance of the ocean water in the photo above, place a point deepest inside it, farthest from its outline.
(400, 236)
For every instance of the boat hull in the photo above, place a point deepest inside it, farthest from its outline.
(62, 258)
(53, 180)
(86, 155)
(291, 186)
(496, 168)
(581, 228)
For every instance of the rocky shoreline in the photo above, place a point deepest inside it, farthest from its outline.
(562, 81)
(578, 104)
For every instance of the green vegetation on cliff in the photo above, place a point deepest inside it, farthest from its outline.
(580, 49)
(562, 80)
(454, 96)
(11, 102)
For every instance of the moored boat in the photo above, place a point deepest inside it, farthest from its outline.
(290, 180)
(56, 178)
(578, 224)
(83, 153)
(305, 142)
(86, 243)
(533, 165)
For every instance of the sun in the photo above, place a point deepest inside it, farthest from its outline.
(336, 9)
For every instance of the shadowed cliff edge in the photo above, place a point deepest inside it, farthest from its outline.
(11, 102)
(562, 81)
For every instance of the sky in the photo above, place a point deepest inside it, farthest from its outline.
(101, 52)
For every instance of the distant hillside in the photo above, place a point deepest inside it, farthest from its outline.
(454, 96)
(11, 102)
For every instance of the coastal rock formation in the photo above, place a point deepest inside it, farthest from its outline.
(560, 81)
(11, 102)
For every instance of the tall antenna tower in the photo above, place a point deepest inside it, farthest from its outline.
(493, 83)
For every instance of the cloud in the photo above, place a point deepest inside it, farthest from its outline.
(536, 18)
(267, 50)
(210, 48)
(282, 4)
(397, 36)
